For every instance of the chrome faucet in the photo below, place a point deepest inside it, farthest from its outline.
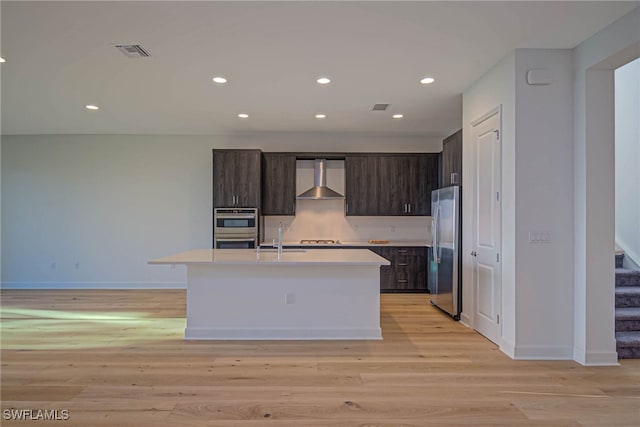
(280, 240)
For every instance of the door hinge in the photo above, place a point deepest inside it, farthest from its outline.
(498, 318)
(497, 257)
(497, 196)
(497, 134)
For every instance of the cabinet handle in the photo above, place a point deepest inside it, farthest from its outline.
(346, 207)
(293, 207)
(403, 264)
(405, 208)
(402, 281)
(402, 251)
(409, 206)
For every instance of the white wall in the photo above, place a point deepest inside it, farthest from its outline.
(495, 89)
(593, 89)
(544, 203)
(109, 203)
(627, 158)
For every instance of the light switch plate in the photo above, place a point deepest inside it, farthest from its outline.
(539, 237)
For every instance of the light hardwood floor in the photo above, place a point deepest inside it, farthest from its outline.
(118, 358)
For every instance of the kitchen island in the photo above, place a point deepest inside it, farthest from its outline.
(301, 294)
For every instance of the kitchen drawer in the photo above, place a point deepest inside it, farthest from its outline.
(408, 269)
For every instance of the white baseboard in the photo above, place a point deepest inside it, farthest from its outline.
(282, 334)
(595, 358)
(465, 319)
(508, 348)
(542, 352)
(93, 285)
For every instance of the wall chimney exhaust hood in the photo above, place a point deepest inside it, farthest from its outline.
(320, 191)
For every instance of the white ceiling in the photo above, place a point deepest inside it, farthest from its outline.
(60, 57)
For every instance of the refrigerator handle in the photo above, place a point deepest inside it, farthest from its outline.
(437, 251)
(433, 238)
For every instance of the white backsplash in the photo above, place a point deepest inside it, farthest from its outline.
(325, 219)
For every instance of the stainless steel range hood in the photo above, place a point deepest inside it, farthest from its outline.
(320, 191)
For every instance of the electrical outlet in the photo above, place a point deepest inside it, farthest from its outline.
(289, 298)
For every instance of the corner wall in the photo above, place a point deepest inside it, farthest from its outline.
(627, 159)
(593, 63)
(537, 187)
(495, 89)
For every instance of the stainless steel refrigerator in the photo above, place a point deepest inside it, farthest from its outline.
(444, 264)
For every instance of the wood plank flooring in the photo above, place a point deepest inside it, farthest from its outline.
(118, 358)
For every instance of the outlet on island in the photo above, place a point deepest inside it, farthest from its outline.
(289, 298)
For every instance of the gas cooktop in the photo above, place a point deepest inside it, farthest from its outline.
(320, 242)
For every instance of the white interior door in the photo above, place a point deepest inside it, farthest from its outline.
(487, 227)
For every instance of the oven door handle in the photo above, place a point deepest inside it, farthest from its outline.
(235, 216)
(248, 239)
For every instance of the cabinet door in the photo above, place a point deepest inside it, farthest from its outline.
(390, 185)
(278, 184)
(247, 178)
(362, 185)
(425, 174)
(452, 158)
(417, 260)
(394, 183)
(236, 178)
(223, 178)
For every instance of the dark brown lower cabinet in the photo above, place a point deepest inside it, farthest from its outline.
(408, 271)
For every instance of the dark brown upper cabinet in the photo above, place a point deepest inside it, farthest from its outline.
(236, 178)
(278, 184)
(452, 159)
(390, 184)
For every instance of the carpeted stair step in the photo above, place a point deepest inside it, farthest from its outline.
(626, 277)
(628, 345)
(619, 259)
(628, 296)
(628, 319)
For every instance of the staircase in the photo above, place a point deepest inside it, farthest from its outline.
(627, 311)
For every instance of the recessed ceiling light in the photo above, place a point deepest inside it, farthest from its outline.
(427, 80)
(91, 107)
(321, 116)
(323, 80)
(2, 60)
(243, 115)
(219, 80)
(398, 116)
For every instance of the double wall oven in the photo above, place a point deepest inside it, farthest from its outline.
(235, 228)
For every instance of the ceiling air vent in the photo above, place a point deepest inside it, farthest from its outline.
(380, 107)
(133, 50)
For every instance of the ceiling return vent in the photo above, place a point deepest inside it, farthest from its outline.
(133, 50)
(380, 107)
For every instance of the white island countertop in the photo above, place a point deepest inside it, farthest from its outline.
(352, 243)
(291, 257)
